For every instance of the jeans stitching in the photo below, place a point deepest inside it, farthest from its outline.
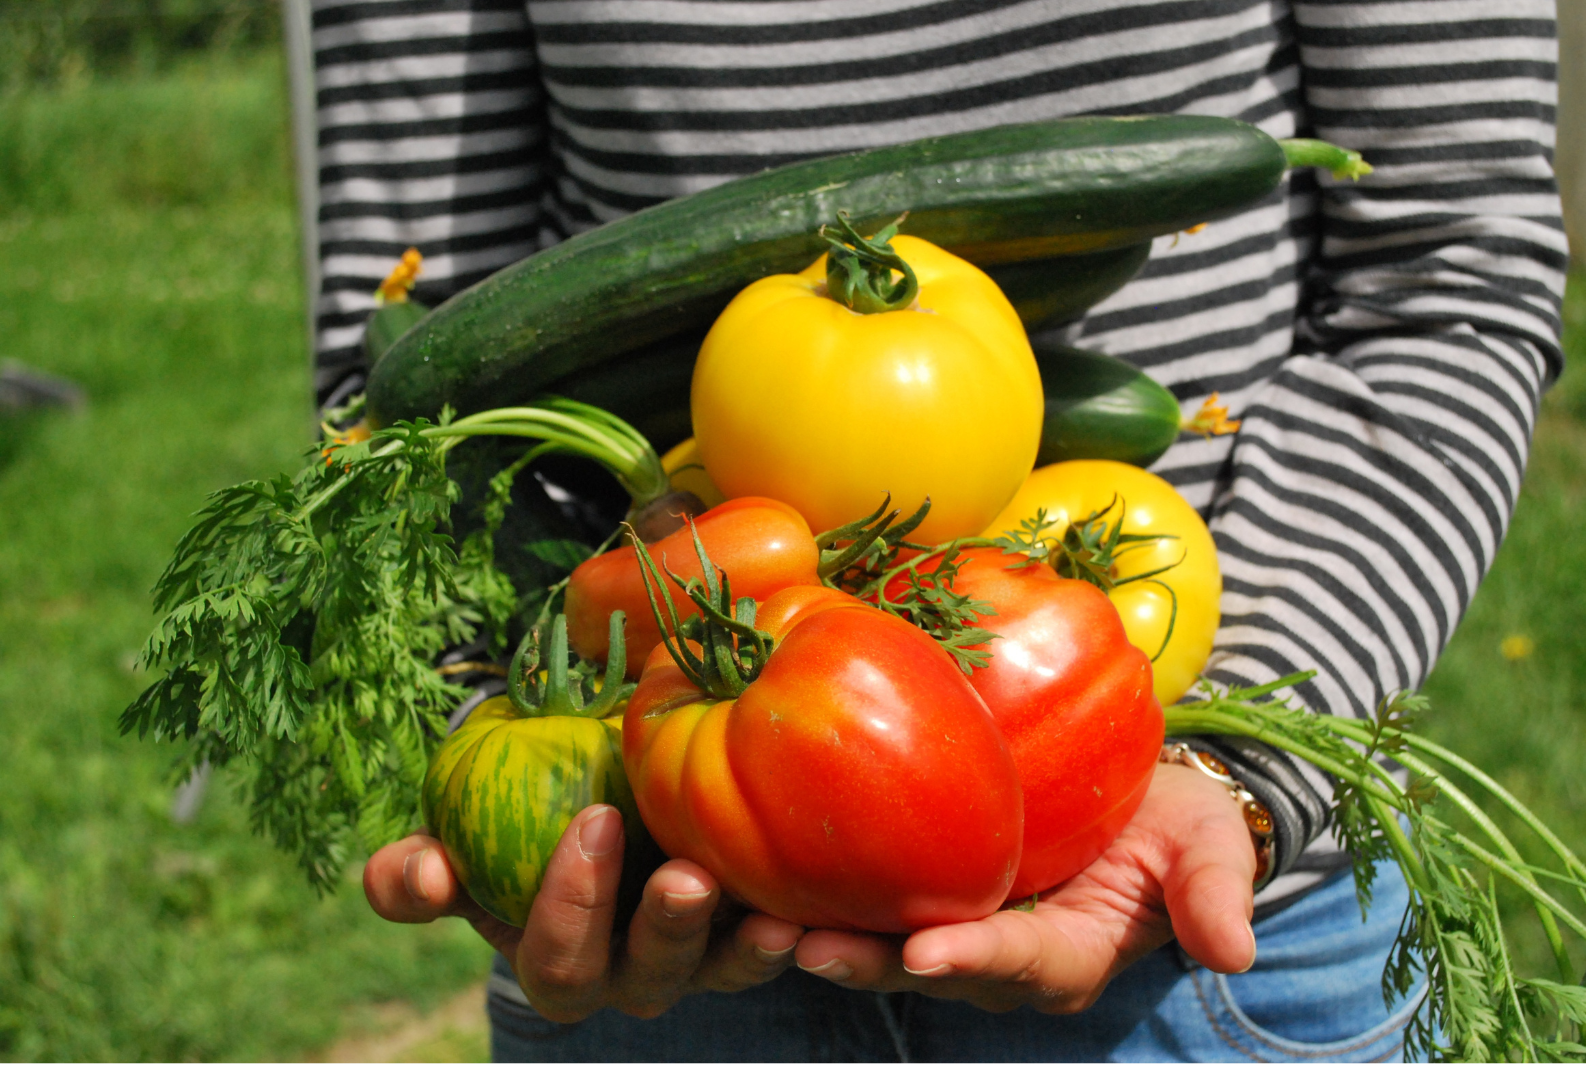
(1211, 1018)
(1396, 1049)
(1363, 1041)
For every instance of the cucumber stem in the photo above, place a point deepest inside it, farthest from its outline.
(1341, 162)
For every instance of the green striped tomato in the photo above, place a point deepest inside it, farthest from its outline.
(502, 789)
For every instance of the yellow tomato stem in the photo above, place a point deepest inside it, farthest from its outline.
(1172, 618)
(859, 270)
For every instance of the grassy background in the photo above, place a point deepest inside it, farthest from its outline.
(147, 232)
(55, 42)
(151, 255)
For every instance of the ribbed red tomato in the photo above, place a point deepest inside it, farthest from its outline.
(858, 782)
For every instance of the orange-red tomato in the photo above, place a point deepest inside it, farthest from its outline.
(763, 544)
(857, 783)
(1073, 699)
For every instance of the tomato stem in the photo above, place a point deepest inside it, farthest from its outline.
(732, 651)
(866, 541)
(560, 693)
(859, 269)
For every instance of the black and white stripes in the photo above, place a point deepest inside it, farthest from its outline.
(1386, 342)
(432, 133)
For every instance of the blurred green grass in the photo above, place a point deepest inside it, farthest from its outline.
(151, 255)
(1524, 720)
(150, 249)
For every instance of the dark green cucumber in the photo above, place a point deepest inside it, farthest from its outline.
(1098, 407)
(386, 326)
(1049, 292)
(649, 389)
(1004, 195)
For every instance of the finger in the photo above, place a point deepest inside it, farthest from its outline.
(1207, 886)
(563, 958)
(760, 948)
(853, 960)
(666, 938)
(998, 963)
(1051, 960)
(411, 881)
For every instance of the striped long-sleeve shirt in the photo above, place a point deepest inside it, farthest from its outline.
(1385, 343)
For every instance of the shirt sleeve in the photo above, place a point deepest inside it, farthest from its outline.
(1375, 472)
(432, 135)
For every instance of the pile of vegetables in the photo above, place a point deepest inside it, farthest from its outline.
(893, 634)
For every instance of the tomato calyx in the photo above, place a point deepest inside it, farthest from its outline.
(855, 552)
(920, 591)
(563, 691)
(872, 559)
(731, 651)
(859, 269)
(1088, 550)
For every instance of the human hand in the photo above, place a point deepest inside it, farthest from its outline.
(568, 958)
(1183, 866)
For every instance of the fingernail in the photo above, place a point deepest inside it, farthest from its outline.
(413, 875)
(683, 904)
(600, 834)
(836, 970)
(939, 970)
(772, 956)
(1252, 931)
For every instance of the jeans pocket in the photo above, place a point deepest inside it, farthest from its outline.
(1330, 1035)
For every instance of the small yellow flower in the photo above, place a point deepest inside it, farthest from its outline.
(356, 433)
(1516, 646)
(395, 288)
(1187, 232)
(1211, 420)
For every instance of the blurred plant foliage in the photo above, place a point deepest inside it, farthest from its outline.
(211, 133)
(48, 42)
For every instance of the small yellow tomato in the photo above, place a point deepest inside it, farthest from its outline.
(799, 398)
(686, 472)
(1074, 490)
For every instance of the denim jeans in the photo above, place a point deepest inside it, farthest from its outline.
(1313, 995)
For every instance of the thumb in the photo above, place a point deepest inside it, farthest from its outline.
(411, 880)
(1207, 886)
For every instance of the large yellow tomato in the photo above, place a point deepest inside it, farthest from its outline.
(799, 398)
(1074, 490)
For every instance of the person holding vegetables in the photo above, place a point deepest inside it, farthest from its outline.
(1384, 345)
